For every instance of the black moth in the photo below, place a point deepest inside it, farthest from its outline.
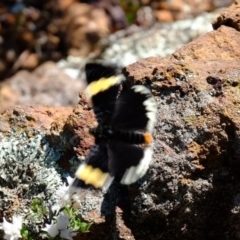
(123, 135)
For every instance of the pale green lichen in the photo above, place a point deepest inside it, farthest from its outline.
(28, 170)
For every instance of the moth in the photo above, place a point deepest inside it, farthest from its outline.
(123, 137)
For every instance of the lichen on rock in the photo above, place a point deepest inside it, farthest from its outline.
(28, 170)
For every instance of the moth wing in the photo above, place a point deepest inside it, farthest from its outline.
(135, 109)
(95, 71)
(94, 172)
(98, 157)
(128, 162)
(103, 89)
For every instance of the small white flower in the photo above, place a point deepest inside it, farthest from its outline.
(67, 234)
(68, 196)
(12, 230)
(77, 199)
(8, 237)
(62, 221)
(55, 208)
(73, 233)
(17, 222)
(51, 229)
(64, 193)
(70, 180)
(64, 196)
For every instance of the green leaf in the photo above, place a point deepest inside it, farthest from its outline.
(26, 234)
(38, 208)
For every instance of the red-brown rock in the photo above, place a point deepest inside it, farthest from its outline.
(191, 190)
(196, 161)
(41, 117)
(230, 17)
(182, 9)
(47, 85)
(84, 25)
(224, 44)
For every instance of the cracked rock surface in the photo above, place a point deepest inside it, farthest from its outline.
(191, 190)
(192, 187)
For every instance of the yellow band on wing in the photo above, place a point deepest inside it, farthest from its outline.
(101, 85)
(93, 176)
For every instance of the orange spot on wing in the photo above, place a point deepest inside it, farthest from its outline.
(148, 138)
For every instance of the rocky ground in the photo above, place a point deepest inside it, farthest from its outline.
(191, 190)
(57, 84)
(32, 32)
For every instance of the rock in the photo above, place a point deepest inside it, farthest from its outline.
(230, 17)
(40, 117)
(183, 9)
(222, 3)
(223, 44)
(159, 40)
(47, 85)
(83, 26)
(31, 62)
(134, 43)
(164, 16)
(64, 4)
(28, 155)
(145, 16)
(191, 190)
